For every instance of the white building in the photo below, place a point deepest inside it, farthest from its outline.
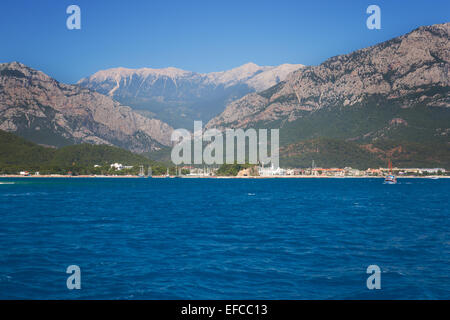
(433, 170)
(266, 172)
(117, 166)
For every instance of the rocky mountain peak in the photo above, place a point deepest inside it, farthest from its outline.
(34, 105)
(179, 97)
(409, 69)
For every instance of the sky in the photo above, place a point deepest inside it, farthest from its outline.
(197, 35)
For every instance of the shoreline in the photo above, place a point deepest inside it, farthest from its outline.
(218, 177)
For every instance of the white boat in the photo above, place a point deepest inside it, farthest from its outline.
(141, 172)
(390, 178)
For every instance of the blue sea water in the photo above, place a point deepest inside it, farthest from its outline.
(224, 238)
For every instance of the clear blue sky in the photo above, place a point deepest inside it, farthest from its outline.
(197, 35)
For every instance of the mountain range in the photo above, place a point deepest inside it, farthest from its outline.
(390, 100)
(179, 97)
(48, 112)
(387, 101)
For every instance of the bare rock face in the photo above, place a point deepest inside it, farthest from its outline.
(179, 97)
(48, 112)
(410, 69)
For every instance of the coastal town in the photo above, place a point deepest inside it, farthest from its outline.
(120, 170)
(267, 172)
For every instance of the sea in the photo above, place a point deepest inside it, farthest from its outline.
(148, 238)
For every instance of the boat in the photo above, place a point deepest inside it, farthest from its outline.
(141, 172)
(390, 178)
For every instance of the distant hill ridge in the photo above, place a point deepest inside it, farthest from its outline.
(18, 154)
(179, 97)
(46, 111)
